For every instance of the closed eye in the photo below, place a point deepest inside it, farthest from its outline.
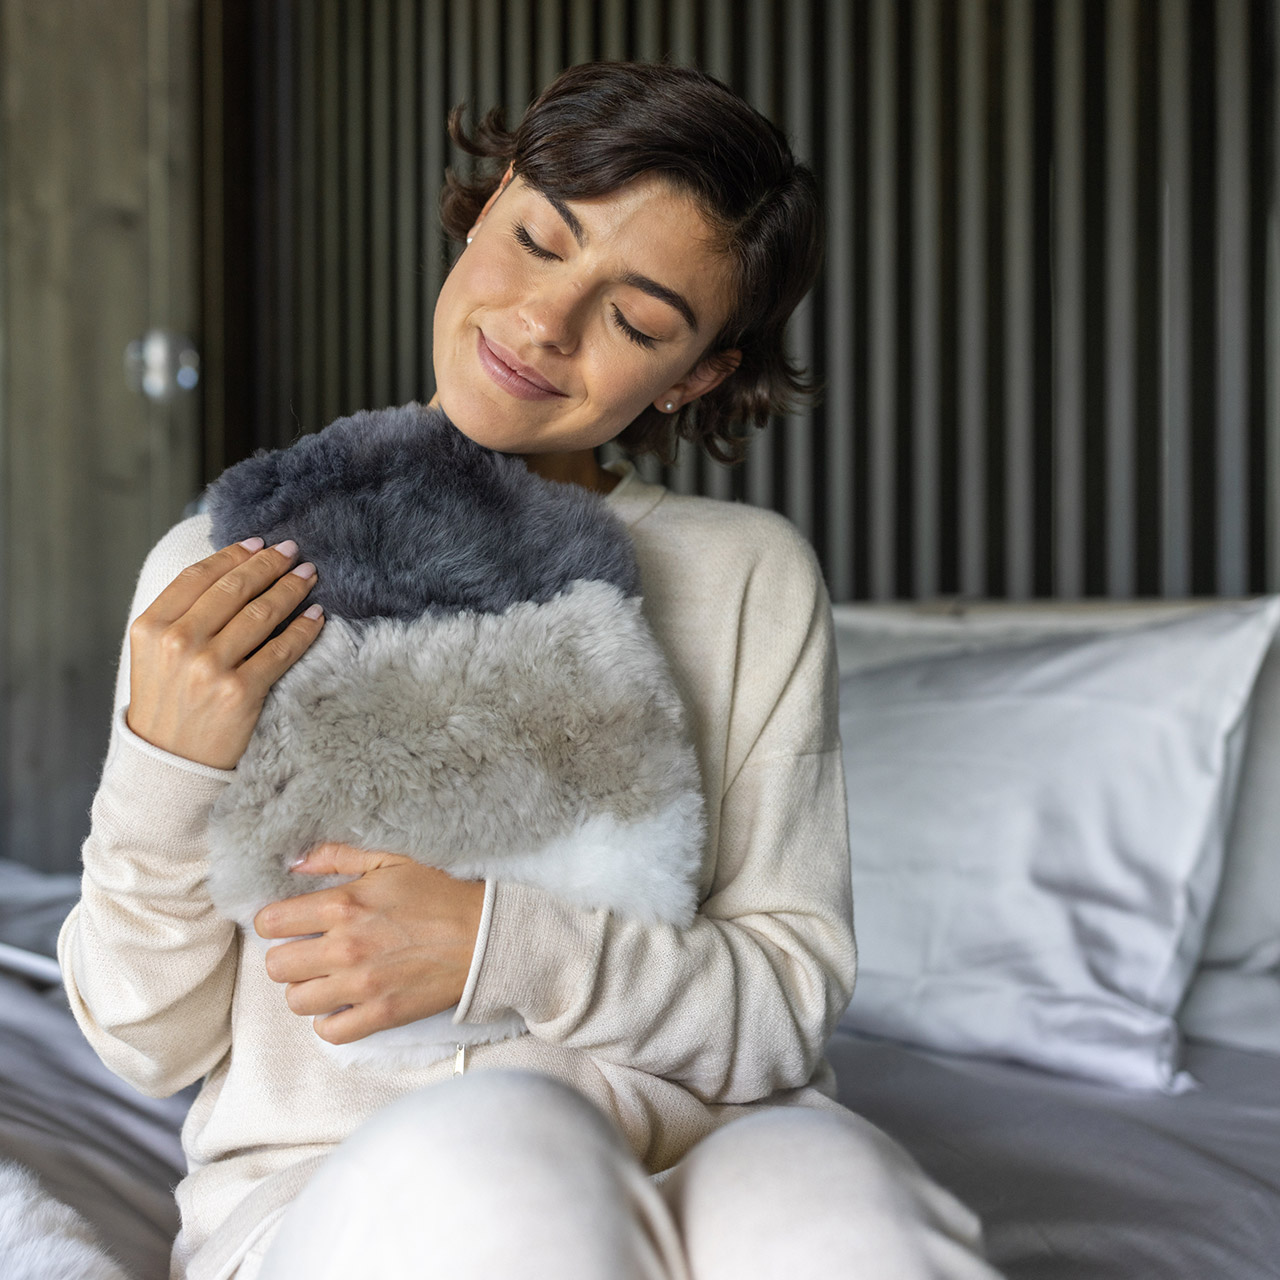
(530, 245)
(521, 233)
(640, 339)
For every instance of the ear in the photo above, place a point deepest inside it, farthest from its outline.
(489, 203)
(708, 373)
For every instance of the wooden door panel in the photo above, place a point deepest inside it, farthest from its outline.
(99, 240)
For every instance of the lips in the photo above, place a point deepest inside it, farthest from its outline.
(511, 374)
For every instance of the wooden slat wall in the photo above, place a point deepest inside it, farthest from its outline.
(1049, 319)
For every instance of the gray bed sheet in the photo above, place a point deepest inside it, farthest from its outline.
(94, 1142)
(1073, 1181)
(1076, 1181)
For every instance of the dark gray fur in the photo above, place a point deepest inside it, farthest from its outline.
(404, 515)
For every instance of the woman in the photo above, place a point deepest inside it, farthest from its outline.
(629, 277)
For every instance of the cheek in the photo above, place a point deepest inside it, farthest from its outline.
(477, 282)
(633, 379)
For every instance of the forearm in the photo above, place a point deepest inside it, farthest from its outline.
(736, 1006)
(149, 967)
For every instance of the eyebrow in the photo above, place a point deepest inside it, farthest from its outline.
(633, 278)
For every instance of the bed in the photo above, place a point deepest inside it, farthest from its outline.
(94, 1142)
(1075, 1174)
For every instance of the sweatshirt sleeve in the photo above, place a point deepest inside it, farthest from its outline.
(740, 1004)
(149, 967)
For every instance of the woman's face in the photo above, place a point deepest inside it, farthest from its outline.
(562, 321)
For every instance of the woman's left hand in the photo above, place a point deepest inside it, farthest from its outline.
(395, 945)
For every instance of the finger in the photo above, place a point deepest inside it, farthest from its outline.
(299, 961)
(292, 917)
(335, 858)
(178, 597)
(317, 997)
(275, 656)
(360, 1020)
(240, 611)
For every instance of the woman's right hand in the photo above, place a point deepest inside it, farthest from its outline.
(194, 690)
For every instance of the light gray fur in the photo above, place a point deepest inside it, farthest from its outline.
(545, 744)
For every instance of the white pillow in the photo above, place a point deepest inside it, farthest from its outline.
(1037, 836)
(1235, 998)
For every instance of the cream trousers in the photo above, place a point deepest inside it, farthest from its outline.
(508, 1175)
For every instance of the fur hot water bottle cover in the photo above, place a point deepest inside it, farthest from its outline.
(484, 696)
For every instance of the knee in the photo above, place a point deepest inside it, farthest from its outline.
(486, 1120)
(795, 1178)
(810, 1152)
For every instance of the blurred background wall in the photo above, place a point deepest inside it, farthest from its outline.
(1048, 327)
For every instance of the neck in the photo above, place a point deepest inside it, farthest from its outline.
(578, 467)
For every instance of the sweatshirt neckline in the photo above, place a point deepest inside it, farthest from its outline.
(631, 498)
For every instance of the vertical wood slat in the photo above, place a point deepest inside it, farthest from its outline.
(648, 32)
(883, 302)
(839, 337)
(613, 37)
(1232, 292)
(684, 25)
(332, 399)
(925, 268)
(9, 537)
(684, 475)
(282, 71)
(1019, 277)
(1068, 304)
(306, 395)
(972, 338)
(488, 59)
(408, 217)
(1271, 311)
(1121, 391)
(761, 467)
(581, 30)
(717, 59)
(381, 195)
(797, 116)
(550, 55)
(355, 212)
(434, 110)
(517, 29)
(1175, 302)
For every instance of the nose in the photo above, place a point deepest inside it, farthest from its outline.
(551, 315)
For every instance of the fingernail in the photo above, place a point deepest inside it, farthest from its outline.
(304, 570)
(313, 612)
(252, 544)
(287, 549)
(297, 862)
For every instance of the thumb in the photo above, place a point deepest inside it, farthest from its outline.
(335, 859)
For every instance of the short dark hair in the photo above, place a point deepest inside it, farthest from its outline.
(600, 125)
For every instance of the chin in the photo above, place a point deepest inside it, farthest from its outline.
(483, 422)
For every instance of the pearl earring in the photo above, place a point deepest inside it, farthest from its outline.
(469, 239)
(669, 406)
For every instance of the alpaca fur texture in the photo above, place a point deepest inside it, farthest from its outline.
(484, 696)
(43, 1239)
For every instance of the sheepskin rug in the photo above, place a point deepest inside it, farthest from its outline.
(43, 1239)
(485, 695)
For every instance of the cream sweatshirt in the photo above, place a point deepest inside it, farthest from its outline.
(670, 1031)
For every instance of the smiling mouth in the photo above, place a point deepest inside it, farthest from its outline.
(513, 377)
